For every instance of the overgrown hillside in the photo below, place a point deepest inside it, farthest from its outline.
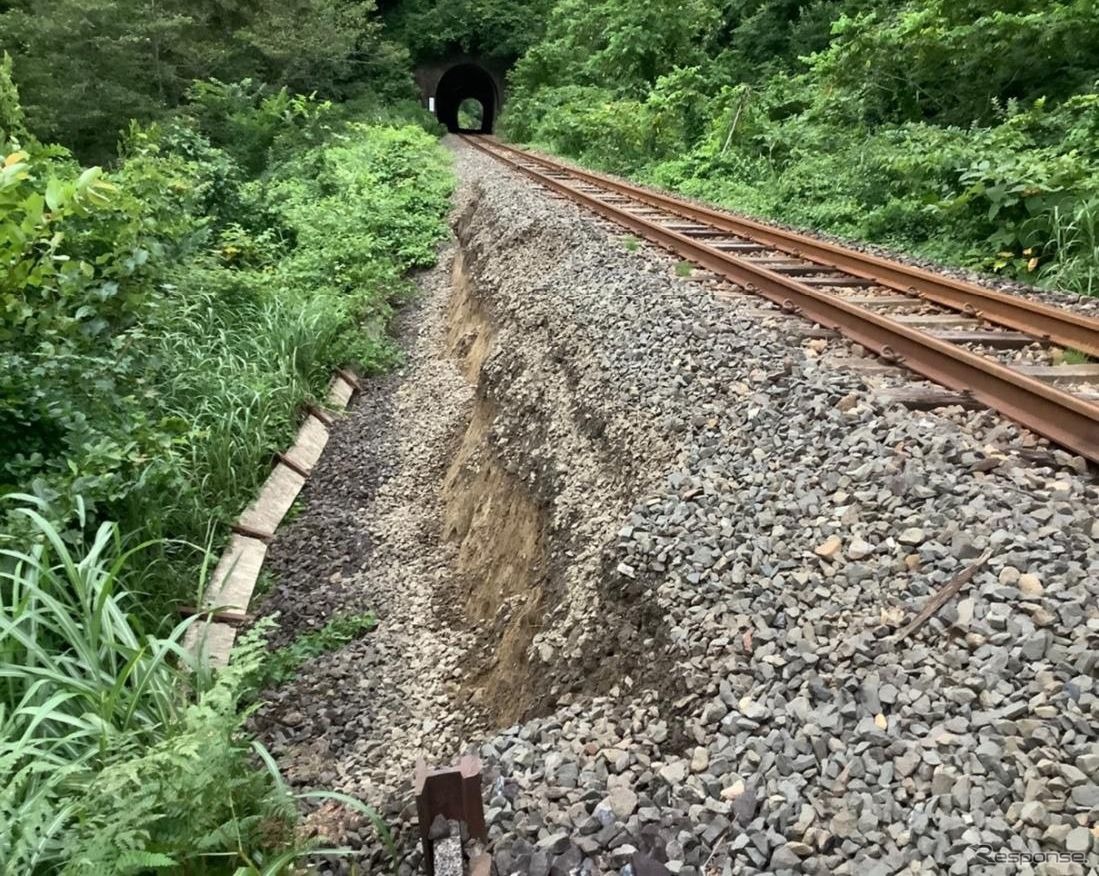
(962, 131)
(184, 259)
(165, 319)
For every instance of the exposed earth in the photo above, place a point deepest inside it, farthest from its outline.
(648, 549)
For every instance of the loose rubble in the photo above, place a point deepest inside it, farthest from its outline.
(734, 530)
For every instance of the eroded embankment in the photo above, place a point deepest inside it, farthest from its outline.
(531, 499)
(779, 522)
(472, 500)
(676, 544)
(502, 585)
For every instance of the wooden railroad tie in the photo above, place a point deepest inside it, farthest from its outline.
(324, 416)
(251, 532)
(231, 616)
(295, 467)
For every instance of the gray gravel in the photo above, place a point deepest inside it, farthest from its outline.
(735, 528)
(1086, 304)
(367, 539)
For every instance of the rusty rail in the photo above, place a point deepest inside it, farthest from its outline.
(1065, 419)
(1062, 327)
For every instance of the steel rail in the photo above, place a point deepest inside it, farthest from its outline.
(1063, 418)
(1045, 322)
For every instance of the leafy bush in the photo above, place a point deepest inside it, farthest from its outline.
(86, 70)
(246, 119)
(162, 324)
(953, 130)
(363, 208)
(943, 60)
(80, 274)
(501, 29)
(12, 124)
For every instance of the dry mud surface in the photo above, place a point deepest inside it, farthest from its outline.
(646, 549)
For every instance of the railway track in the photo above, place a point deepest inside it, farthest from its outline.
(960, 335)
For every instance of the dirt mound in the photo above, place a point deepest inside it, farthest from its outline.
(530, 478)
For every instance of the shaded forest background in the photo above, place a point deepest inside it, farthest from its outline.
(965, 131)
(85, 69)
(205, 208)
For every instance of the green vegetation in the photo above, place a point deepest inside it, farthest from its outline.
(163, 322)
(203, 211)
(265, 185)
(683, 269)
(86, 69)
(118, 753)
(962, 131)
(493, 29)
(340, 630)
(470, 114)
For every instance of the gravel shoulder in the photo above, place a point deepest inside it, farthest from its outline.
(367, 539)
(715, 531)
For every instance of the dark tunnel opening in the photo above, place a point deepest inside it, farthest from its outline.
(466, 82)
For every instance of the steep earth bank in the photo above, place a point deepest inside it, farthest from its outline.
(647, 549)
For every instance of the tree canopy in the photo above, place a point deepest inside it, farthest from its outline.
(86, 67)
(499, 29)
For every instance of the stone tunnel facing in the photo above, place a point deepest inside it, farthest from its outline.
(462, 82)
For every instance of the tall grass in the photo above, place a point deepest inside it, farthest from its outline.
(119, 750)
(236, 374)
(80, 682)
(1075, 242)
(68, 638)
(164, 413)
(232, 370)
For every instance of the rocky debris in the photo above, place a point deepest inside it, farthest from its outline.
(792, 538)
(1030, 585)
(448, 857)
(367, 539)
(771, 544)
(859, 549)
(912, 536)
(829, 548)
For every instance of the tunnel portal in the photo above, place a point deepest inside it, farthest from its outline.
(461, 82)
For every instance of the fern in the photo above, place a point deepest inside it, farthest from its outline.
(194, 795)
(31, 819)
(138, 862)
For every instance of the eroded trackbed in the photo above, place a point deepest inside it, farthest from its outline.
(957, 334)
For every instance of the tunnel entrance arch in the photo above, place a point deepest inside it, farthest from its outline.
(466, 81)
